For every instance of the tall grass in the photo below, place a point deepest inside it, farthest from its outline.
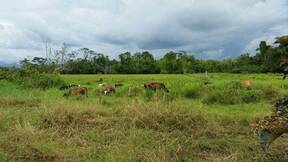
(31, 78)
(194, 122)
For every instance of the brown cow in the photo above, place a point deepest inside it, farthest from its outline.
(77, 91)
(155, 85)
(246, 84)
(109, 89)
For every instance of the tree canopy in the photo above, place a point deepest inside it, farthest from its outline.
(269, 58)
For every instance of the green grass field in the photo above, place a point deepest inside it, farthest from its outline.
(195, 122)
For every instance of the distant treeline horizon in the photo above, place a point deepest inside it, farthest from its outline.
(268, 58)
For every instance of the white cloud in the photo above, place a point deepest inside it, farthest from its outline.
(268, 36)
(114, 26)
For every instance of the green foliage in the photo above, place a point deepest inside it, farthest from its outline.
(233, 93)
(86, 61)
(43, 126)
(192, 93)
(220, 96)
(31, 78)
(251, 96)
(271, 93)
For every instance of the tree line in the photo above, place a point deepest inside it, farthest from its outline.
(268, 58)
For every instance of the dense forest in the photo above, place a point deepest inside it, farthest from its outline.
(269, 58)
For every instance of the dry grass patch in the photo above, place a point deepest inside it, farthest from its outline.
(16, 102)
(29, 144)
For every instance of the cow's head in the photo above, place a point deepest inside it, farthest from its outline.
(166, 90)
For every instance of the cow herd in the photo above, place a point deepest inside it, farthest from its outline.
(107, 89)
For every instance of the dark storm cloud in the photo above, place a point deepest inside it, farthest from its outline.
(210, 28)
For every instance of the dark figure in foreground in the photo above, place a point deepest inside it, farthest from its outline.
(68, 86)
(155, 85)
(77, 91)
(275, 126)
(272, 127)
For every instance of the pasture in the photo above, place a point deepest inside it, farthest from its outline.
(203, 118)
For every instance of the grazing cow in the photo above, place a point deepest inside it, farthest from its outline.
(155, 85)
(109, 89)
(246, 84)
(68, 86)
(77, 91)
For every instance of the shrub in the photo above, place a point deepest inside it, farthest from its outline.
(32, 78)
(217, 96)
(271, 93)
(3, 73)
(233, 93)
(251, 96)
(164, 118)
(192, 93)
(134, 91)
(67, 121)
(148, 95)
(159, 95)
(235, 85)
(20, 145)
(204, 80)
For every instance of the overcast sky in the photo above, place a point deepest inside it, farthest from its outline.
(208, 28)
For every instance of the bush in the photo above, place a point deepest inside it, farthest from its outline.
(217, 96)
(3, 73)
(159, 95)
(271, 93)
(192, 93)
(232, 93)
(134, 91)
(68, 121)
(148, 94)
(251, 96)
(235, 85)
(31, 78)
(205, 80)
